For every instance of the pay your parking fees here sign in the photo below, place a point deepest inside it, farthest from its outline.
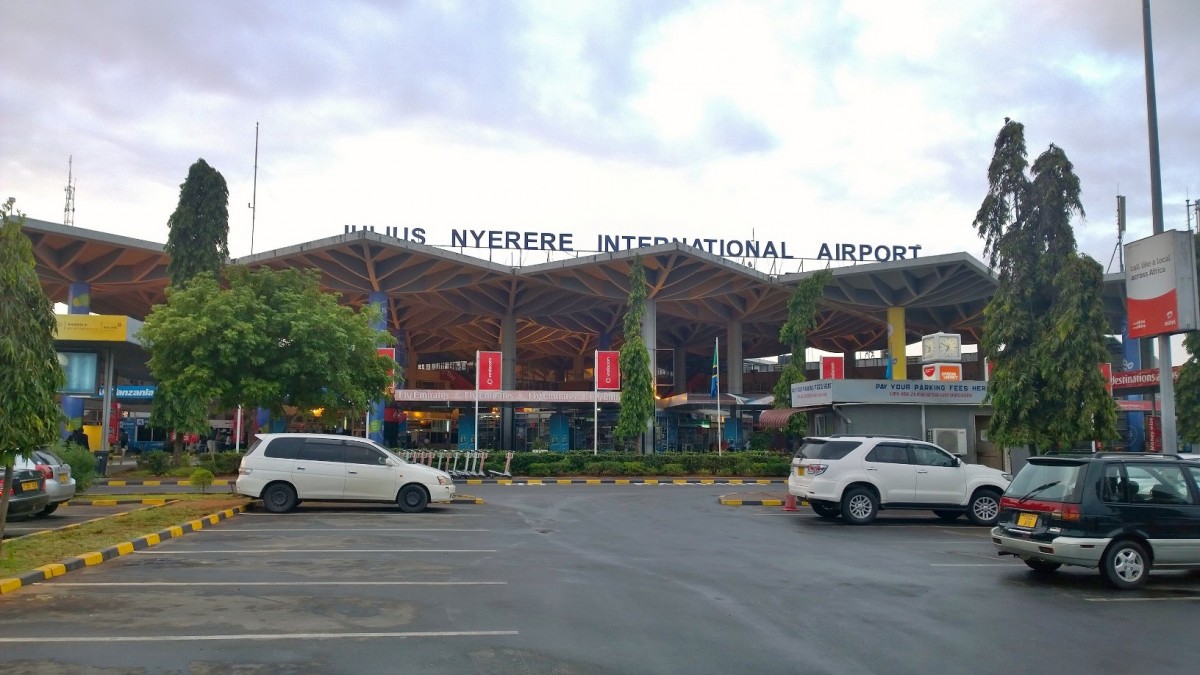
(1160, 283)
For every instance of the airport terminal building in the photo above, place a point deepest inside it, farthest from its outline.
(547, 321)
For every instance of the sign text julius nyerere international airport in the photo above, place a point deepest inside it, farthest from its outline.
(528, 240)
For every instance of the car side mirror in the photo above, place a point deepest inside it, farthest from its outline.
(391, 462)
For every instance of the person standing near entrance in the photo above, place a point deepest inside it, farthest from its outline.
(79, 438)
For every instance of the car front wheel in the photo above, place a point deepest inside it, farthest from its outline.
(279, 498)
(50, 508)
(1125, 564)
(859, 506)
(984, 508)
(412, 499)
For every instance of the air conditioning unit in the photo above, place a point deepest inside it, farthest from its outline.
(953, 441)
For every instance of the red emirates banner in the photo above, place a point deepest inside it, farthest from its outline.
(487, 371)
(831, 368)
(608, 371)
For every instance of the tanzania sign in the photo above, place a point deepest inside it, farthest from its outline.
(531, 240)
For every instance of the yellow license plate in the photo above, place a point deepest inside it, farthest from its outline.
(799, 471)
(1027, 520)
(30, 485)
(62, 478)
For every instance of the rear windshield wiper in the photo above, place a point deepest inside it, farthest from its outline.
(1038, 489)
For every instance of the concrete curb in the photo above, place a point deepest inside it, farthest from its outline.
(124, 548)
(158, 501)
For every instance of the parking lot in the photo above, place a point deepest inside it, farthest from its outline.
(77, 511)
(589, 579)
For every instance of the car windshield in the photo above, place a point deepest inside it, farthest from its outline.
(1049, 481)
(389, 453)
(820, 448)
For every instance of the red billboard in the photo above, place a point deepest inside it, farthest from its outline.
(487, 371)
(832, 368)
(608, 371)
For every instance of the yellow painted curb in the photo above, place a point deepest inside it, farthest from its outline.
(93, 558)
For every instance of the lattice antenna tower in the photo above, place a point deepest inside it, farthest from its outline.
(69, 208)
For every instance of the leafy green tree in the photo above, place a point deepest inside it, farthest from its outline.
(637, 386)
(271, 339)
(1044, 329)
(1187, 387)
(801, 319)
(198, 240)
(30, 375)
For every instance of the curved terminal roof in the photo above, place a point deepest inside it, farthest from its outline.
(451, 305)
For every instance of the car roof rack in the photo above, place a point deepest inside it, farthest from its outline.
(1112, 454)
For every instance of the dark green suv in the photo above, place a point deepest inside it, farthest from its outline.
(1123, 513)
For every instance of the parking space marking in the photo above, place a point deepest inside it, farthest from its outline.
(361, 514)
(279, 583)
(1174, 599)
(262, 637)
(325, 550)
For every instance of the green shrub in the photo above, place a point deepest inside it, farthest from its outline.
(633, 469)
(201, 478)
(158, 463)
(222, 463)
(537, 469)
(672, 470)
(83, 464)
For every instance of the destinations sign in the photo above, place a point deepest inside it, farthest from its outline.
(528, 240)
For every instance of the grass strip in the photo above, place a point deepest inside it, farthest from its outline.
(27, 553)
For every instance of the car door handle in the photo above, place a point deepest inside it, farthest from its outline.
(922, 470)
(299, 468)
(354, 472)
(871, 468)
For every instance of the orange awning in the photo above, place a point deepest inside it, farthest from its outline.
(777, 418)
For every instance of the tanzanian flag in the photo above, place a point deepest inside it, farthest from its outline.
(714, 385)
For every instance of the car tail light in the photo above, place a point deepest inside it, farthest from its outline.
(47, 472)
(815, 469)
(1066, 512)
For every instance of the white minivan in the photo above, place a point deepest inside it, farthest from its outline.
(285, 469)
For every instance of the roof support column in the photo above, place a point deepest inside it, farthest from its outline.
(680, 366)
(733, 343)
(79, 301)
(377, 299)
(650, 339)
(897, 349)
(508, 375)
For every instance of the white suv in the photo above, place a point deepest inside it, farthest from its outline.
(856, 476)
(284, 469)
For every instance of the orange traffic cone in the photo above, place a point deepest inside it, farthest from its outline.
(789, 504)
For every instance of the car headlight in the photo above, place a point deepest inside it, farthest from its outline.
(1007, 476)
(445, 479)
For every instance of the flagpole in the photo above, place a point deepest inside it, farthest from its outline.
(476, 437)
(596, 401)
(717, 374)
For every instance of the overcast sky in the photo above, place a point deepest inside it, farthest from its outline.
(801, 122)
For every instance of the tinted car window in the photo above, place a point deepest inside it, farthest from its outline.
(357, 453)
(1114, 487)
(1157, 484)
(926, 455)
(889, 453)
(315, 450)
(817, 449)
(283, 448)
(1056, 481)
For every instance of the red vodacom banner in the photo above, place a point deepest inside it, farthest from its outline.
(608, 370)
(487, 371)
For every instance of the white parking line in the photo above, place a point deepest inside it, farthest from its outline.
(324, 550)
(306, 583)
(254, 636)
(1193, 599)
